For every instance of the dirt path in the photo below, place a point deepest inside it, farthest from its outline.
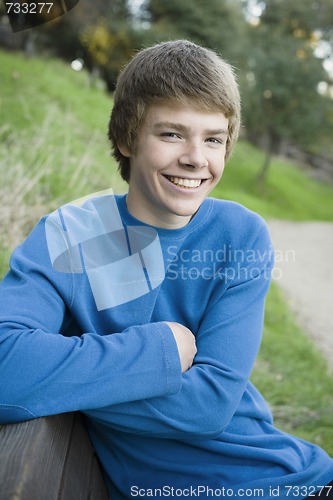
(304, 270)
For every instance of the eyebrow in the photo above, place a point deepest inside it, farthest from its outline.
(183, 128)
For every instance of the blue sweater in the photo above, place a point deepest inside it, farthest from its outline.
(83, 313)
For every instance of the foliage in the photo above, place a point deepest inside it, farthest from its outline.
(101, 33)
(220, 27)
(280, 85)
(100, 41)
(300, 16)
(108, 40)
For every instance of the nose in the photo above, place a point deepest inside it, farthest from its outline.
(193, 156)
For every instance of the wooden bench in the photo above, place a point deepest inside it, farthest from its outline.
(49, 458)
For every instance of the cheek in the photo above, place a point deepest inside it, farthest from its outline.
(159, 159)
(217, 166)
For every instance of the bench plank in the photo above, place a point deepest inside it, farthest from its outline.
(49, 458)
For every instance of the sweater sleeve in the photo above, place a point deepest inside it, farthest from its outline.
(43, 372)
(228, 341)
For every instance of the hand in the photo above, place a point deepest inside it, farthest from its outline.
(185, 342)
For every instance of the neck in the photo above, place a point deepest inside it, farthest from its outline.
(144, 214)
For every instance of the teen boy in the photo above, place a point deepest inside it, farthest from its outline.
(98, 310)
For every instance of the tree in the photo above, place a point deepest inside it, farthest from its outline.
(107, 49)
(281, 101)
(109, 38)
(101, 33)
(218, 24)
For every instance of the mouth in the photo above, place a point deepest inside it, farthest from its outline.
(185, 183)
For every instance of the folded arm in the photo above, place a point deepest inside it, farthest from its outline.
(44, 373)
(228, 341)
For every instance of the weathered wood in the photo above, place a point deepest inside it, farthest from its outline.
(49, 458)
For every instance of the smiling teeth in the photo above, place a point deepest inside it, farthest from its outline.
(188, 183)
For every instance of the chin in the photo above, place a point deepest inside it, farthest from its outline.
(186, 211)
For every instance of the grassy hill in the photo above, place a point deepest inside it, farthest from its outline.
(289, 193)
(54, 149)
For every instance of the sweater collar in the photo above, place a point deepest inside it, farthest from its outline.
(129, 220)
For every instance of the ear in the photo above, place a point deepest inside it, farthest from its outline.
(124, 150)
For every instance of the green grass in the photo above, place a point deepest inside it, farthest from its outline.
(54, 149)
(52, 122)
(287, 194)
(53, 144)
(292, 375)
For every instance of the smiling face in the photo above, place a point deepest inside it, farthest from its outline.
(179, 158)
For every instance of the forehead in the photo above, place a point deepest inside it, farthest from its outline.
(183, 116)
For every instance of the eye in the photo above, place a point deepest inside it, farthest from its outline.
(215, 140)
(170, 135)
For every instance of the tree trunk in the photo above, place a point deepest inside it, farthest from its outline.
(262, 174)
(272, 144)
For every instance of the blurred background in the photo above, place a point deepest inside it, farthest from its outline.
(282, 52)
(56, 84)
